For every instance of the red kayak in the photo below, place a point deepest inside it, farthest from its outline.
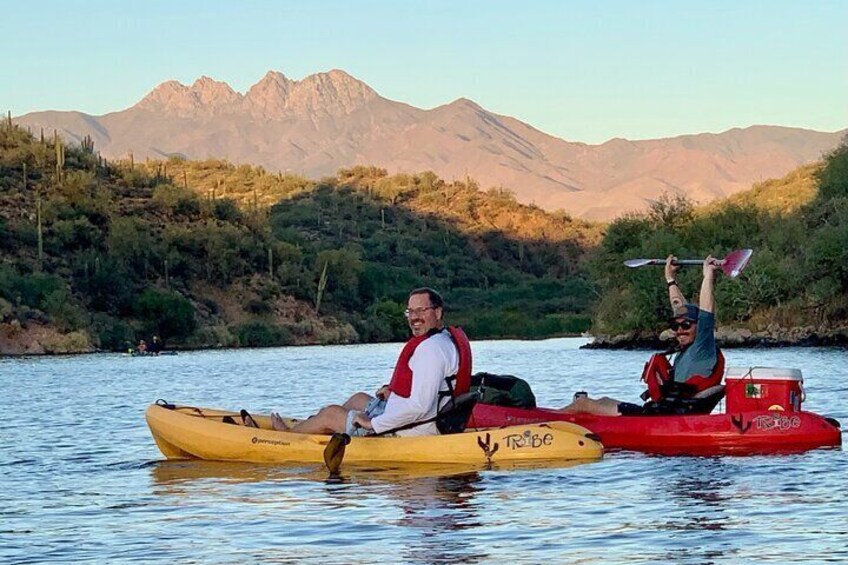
(762, 415)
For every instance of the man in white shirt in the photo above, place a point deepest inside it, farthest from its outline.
(413, 395)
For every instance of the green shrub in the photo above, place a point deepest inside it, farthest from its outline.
(111, 333)
(64, 311)
(29, 289)
(165, 313)
(226, 210)
(833, 178)
(262, 334)
(384, 321)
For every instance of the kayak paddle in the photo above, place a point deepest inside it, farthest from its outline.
(334, 452)
(731, 265)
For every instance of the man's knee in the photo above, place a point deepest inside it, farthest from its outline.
(330, 411)
(336, 416)
(358, 401)
(582, 403)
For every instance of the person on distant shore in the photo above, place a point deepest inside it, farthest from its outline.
(698, 363)
(141, 348)
(155, 347)
(432, 364)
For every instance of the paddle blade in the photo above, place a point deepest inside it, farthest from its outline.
(334, 452)
(735, 262)
(632, 263)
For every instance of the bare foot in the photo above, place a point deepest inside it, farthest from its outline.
(277, 423)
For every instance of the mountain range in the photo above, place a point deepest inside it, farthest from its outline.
(331, 120)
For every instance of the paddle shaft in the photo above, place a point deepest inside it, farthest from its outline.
(685, 262)
(644, 262)
(731, 265)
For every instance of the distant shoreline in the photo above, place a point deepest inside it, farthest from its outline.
(726, 339)
(182, 349)
(730, 338)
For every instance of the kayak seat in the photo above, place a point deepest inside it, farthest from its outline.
(708, 392)
(706, 400)
(701, 403)
(453, 417)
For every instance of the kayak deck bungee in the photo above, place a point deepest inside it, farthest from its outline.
(186, 432)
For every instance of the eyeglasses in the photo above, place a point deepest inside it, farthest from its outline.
(684, 325)
(409, 312)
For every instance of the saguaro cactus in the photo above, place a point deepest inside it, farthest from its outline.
(60, 156)
(38, 227)
(322, 284)
(87, 144)
(270, 262)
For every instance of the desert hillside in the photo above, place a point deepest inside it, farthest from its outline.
(328, 121)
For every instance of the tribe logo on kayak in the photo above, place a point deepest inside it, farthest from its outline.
(528, 439)
(781, 423)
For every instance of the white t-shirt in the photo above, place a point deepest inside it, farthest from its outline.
(434, 359)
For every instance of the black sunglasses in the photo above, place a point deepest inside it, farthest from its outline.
(684, 325)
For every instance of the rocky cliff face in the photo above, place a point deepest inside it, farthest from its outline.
(332, 120)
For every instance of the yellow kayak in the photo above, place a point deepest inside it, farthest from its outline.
(187, 432)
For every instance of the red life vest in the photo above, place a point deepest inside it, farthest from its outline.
(658, 372)
(460, 383)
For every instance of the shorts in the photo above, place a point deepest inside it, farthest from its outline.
(661, 408)
(374, 409)
(630, 409)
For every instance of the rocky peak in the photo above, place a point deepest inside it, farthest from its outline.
(160, 96)
(465, 103)
(333, 93)
(205, 97)
(214, 94)
(268, 97)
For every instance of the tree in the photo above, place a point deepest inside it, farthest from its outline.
(167, 314)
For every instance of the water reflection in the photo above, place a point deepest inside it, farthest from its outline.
(436, 512)
(431, 507)
(700, 493)
(705, 485)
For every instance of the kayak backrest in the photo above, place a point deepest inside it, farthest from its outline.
(453, 416)
(705, 401)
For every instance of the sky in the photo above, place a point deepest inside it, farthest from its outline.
(581, 70)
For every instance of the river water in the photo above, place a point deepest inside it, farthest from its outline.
(82, 481)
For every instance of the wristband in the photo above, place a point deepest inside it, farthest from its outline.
(671, 283)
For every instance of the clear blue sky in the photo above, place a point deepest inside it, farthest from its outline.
(581, 70)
